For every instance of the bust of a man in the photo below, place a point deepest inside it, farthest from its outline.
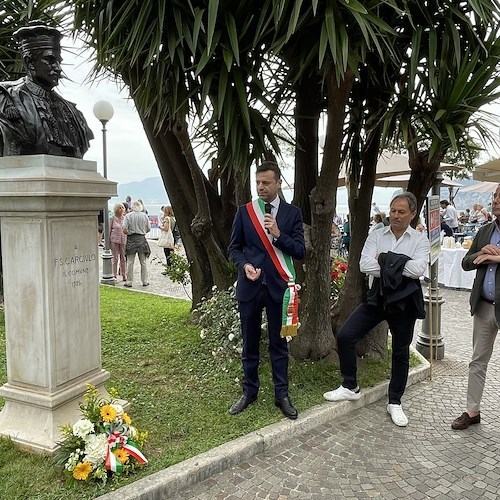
(34, 119)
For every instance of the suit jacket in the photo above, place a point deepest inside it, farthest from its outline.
(393, 291)
(246, 247)
(482, 239)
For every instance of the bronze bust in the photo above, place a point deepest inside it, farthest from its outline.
(34, 119)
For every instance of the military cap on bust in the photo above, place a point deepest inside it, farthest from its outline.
(37, 37)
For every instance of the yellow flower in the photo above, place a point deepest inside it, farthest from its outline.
(82, 471)
(108, 413)
(121, 455)
(126, 419)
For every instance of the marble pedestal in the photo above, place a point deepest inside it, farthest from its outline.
(48, 217)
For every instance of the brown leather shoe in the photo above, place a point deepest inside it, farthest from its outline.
(463, 421)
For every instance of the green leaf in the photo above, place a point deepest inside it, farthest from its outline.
(439, 114)
(292, 24)
(323, 42)
(228, 58)
(330, 30)
(354, 5)
(213, 7)
(314, 6)
(242, 96)
(197, 25)
(233, 37)
(221, 90)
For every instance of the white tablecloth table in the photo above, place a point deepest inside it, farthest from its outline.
(451, 273)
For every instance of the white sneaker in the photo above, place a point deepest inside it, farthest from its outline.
(342, 394)
(397, 414)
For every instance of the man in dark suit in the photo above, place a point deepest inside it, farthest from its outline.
(484, 256)
(267, 233)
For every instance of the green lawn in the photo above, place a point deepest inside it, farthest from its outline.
(179, 394)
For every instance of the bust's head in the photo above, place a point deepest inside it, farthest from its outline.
(41, 50)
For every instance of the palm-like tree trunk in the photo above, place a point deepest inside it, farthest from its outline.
(315, 337)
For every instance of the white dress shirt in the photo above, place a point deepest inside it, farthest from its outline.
(411, 243)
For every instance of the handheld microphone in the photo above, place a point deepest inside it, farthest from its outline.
(268, 208)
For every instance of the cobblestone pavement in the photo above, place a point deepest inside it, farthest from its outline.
(158, 283)
(363, 455)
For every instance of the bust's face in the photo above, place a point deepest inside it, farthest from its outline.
(45, 68)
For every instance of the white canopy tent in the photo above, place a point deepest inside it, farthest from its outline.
(489, 172)
(481, 187)
(395, 166)
(402, 181)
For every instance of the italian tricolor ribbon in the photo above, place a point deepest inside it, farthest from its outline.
(284, 266)
(117, 439)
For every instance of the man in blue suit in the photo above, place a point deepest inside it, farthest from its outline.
(267, 233)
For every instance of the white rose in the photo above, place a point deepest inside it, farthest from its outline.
(231, 336)
(202, 334)
(83, 427)
(95, 448)
(118, 408)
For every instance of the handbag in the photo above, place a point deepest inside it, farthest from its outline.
(166, 238)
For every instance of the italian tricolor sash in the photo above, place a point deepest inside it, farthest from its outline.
(284, 266)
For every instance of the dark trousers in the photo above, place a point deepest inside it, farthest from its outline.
(168, 254)
(251, 319)
(359, 323)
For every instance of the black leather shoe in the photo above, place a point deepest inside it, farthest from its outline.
(242, 404)
(287, 408)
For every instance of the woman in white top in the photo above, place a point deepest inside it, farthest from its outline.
(479, 214)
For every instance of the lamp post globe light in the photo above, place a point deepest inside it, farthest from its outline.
(104, 111)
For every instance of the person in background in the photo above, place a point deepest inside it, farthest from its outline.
(168, 222)
(346, 236)
(445, 228)
(143, 207)
(484, 257)
(266, 235)
(449, 213)
(100, 227)
(378, 223)
(118, 241)
(479, 214)
(136, 226)
(375, 209)
(420, 226)
(395, 258)
(464, 216)
(128, 204)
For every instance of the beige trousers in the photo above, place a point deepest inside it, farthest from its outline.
(130, 268)
(485, 330)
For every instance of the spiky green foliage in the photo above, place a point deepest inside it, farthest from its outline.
(13, 15)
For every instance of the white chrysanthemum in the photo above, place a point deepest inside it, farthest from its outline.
(95, 448)
(83, 427)
(132, 431)
(118, 408)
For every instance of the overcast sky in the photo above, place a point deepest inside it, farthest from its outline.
(129, 155)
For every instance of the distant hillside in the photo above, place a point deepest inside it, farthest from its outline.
(149, 190)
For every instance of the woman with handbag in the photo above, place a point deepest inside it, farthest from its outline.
(166, 239)
(118, 240)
